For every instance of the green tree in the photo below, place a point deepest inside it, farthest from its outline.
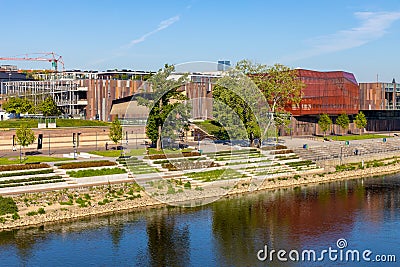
(17, 105)
(343, 121)
(324, 122)
(360, 121)
(239, 105)
(281, 87)
(165, 98)
(115, 131)
(49, 107)
(24, 137)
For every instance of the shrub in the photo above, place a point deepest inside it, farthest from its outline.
(25, 173)
(69, 203)
(41, 211)
(171, 190)
(85, 164)
(32, 213)
(7, 206)
(17, 167)
(187, 185)
(15, 216)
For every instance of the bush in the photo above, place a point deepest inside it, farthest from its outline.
(85, 164)
(171, 190)
(17, 167)
(15, 216)
(41, 211)
(7, 206)
(32, 213)
(25, 173)
(187, 185)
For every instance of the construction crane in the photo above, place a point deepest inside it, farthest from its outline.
(52, 57)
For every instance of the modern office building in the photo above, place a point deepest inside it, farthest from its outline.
(332, 92)
(380, 101)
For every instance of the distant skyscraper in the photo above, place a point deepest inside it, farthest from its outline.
(223, 65)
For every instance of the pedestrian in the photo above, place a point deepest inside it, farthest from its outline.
(106, 145)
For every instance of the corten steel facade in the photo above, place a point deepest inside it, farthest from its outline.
(380, 96)
(101, 93)
(332, 92)
(380, 103)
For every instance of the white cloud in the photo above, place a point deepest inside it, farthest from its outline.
(163, 25)
(373, 25)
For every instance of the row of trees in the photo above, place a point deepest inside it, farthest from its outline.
(16, 105)
(343, 121)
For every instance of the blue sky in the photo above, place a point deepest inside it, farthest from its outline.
(362, 37)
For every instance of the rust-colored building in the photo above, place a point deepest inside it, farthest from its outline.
(332, 92)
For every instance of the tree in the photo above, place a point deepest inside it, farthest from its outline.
(343, 121)
(281, 86)
(24, 137)
(238, 104)
(115, 131)
(360, 121)
(164, 99)
(17, 105)
(324, 122)
(49, 107)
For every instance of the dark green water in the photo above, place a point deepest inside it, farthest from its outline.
(230, 232)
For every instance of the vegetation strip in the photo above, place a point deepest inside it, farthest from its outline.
(100, 172)
(85, 164)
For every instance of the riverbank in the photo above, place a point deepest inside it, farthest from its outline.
(79, 203)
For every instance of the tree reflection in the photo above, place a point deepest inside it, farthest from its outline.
(168, 245)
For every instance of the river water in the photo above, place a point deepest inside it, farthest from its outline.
(229, 232)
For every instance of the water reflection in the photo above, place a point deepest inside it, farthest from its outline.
(226, 233)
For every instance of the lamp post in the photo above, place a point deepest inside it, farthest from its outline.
(49, 144)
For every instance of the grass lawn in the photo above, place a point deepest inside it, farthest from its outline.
(213, 128)
(33, 123)
(107, 153)
(136, 152)
(221, 174)
(355, 137)
(100, 172)
(153, 151)
(117, 153)
(30, 159)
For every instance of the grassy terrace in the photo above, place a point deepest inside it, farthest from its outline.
(209, 176)
(153, 151)
(137, 166)
(117, 153)
(33, 123)
(30, 159)
(100, 172)
(213, 128)
(31, 181)
(84, 164)
(355, 137)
